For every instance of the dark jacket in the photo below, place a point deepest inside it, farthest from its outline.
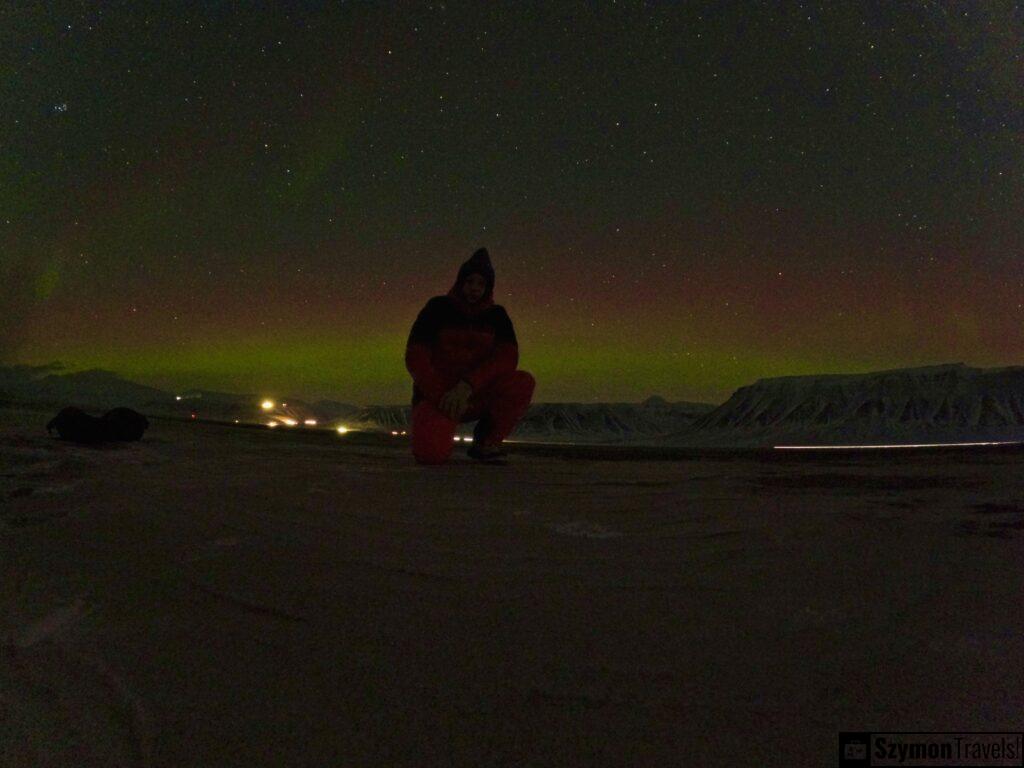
(452, 340)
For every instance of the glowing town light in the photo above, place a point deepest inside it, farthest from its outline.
(177, 397)
(342, 430)
(895, 445)
(267, 405)
(310, 422)
(271, 423)
(236, 421)
(467, 439)
(393, 432)
(290, 422)
(403, 432)
(456, 438)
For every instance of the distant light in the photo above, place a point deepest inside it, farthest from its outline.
(177, 397)
(290, 422)
(266, 405)
(236, 421)
(310, 422)
(467, 439)
(193, 415)
(895, 445)
(403, 431)
(284, 405)
(393, 432)
(342, 430)
(271, 423)
(456, 438)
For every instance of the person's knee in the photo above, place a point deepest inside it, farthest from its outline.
(520, 381)
(525, 384)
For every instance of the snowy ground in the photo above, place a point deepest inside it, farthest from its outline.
(217, 596)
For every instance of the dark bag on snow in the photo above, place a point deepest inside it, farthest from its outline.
(78, 426)
(125, 424)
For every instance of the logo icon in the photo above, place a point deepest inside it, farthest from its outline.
(853, 750)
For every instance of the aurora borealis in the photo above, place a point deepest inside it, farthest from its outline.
(678, 200)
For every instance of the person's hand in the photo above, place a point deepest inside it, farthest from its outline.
(455, 401)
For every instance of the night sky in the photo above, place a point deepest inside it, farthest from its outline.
(676, 200)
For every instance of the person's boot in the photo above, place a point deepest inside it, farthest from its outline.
(481, 430)
(488, 454)
(479, 450)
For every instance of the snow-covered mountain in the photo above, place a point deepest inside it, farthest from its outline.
(607, 422)
(565, 422)
(941, 403)
(380, 417)
(331, 410)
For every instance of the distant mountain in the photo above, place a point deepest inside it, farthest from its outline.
(332, 410)
(567, 422)
(608, 422)
(941, 403)
(93, 388)
(98, 390)
(224, 406)
(380, 417)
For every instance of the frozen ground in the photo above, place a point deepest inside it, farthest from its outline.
(217, 596)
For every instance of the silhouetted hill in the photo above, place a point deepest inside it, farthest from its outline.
(95, 388)
(941, 403)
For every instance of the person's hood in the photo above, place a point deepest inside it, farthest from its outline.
(480, 263)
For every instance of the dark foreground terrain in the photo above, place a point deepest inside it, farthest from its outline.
(216, 596)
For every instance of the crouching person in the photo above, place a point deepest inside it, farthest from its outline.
(462, 354)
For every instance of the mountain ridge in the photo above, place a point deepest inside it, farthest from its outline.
(939, 402)
(934, 403)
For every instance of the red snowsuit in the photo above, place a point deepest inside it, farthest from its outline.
(453, 340)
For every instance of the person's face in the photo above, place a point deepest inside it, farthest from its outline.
(474, 287)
